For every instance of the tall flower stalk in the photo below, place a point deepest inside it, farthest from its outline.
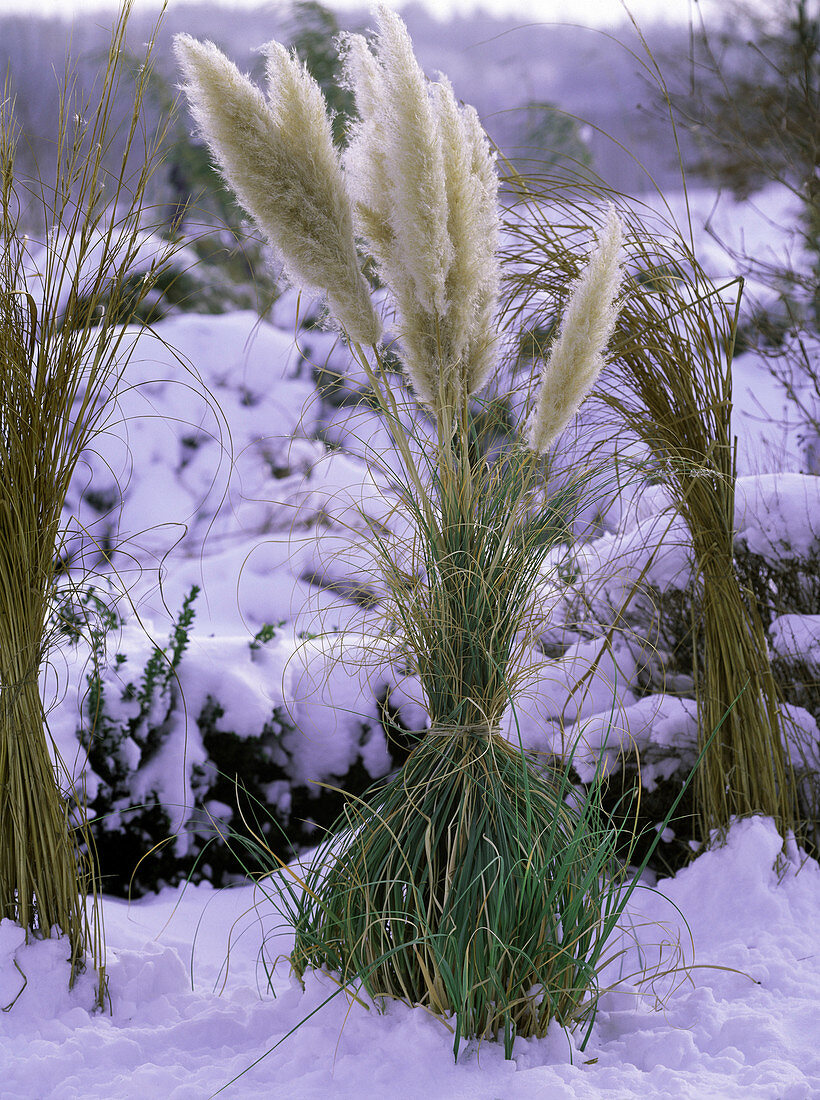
(64, 305)
(465, 881)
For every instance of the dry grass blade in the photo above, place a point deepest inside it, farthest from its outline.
(64, 306)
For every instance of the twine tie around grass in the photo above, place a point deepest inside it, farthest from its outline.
(474, 729)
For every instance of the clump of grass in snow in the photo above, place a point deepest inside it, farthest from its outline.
(669, 384)
(467, 884)
(61, 358)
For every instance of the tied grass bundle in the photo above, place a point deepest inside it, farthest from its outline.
(675, 393)
(670, 383)
(466, 884)
(64, 305)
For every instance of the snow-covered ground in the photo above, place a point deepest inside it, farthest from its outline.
(736, 1019)
(225, 485)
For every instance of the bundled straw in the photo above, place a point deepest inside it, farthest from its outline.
(466, 884)
(670, 384)
(63, 309)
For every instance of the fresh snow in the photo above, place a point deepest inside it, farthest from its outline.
(731, 1012)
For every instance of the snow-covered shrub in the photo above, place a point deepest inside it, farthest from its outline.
(211, 274)
(174, 745)
(777, 548)
(641, 696)
(777, 542)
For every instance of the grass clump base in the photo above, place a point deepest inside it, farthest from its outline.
(467, 885)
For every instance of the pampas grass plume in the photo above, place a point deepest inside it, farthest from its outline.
(425, 186)
(278, 157)
(472, 223)
(366, 164)
(577, 356)
(415, 159)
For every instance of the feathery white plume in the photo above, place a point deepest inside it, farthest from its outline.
(414, 155)
(278, 157)
(577, 356)
(425, 187)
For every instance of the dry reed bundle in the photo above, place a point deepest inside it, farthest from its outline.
(64, 306)
(670, 383)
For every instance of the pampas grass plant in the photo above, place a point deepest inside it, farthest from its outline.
(466, 884)
(64, 304)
